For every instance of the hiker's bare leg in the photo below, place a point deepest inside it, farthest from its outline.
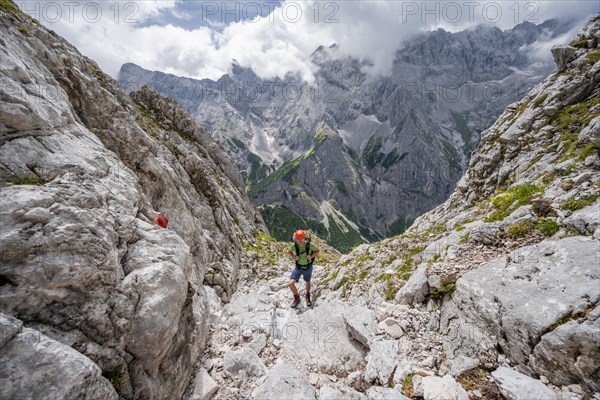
(292, 286)
(307, 287)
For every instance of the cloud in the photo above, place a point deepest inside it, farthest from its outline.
(165, 35)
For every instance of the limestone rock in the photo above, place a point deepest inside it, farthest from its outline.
(381, 361)
(204, 386)
(445, 388)
(361, 323)
(571, 353)
(415, 290)
(558, 277)
(243, 364)
(37, 367)
(284, 382)
(384, 393)
(321, 331)
(331, 392)
(516, 386)
(82, 258)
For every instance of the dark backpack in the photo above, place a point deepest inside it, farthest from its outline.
(307, 251)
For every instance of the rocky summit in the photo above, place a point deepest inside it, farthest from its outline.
(359, 157)
(134, 266)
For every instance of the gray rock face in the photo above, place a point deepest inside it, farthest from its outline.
(384, 393)
(381, 361)
(570, 353)
(84, 173)
(37, 367)
(389, 135)
(516, 386)
(282, 383)
(361, 324)
(445, 388)
(242, 364)
(586, 220)
(547, 282)
(204, 386)
(415, 289)
(330, 392)
(321, 333)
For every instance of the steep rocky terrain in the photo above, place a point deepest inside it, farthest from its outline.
(340, 152)
(494, 294)
(92, 290)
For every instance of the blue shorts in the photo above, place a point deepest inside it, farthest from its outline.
(306, 274)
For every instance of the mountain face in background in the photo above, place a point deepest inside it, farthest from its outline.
(353, 156)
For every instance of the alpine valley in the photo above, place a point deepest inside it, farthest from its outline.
(358, 157)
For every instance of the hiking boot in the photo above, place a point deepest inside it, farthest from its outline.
(296, 301)
(308, 302)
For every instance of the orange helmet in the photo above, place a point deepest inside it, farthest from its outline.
(299, 234)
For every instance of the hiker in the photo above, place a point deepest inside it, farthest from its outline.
(303, 252)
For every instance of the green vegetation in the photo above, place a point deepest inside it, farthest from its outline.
(282, 222)
(8, 6)
(548, 227)
(23, 31)
(593, 56)
(580, 44)
(116, 378)
(341, 187)
(258, 169)
(518, 112)
(478, 379)
(399, 226)
(97, 73)
(285, 172)
(540, 100)
(407, 387)
(542, 208)
(570, 121)
(519, 230)
(507, 201)
(445, 289)
(26, 180)
(573, 204)
(373, 156)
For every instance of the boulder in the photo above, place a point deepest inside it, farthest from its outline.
(585, 220)
(331, 392)
(204, 386)
(548, 281)
(516, 386)
(381, 361)
(321, 334)
(243, 364)
(360, 323)
(392, 327)
(445, 388)
(416, 289)
(571, 353)
(284, 382)
(384, 393)
(37, 367)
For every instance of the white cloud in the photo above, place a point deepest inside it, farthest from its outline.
(282, 41)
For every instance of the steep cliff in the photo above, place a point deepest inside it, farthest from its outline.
(84, 172)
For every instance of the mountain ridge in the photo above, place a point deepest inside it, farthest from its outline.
(428, 107)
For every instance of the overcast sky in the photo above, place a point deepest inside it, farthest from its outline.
(199, 39)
